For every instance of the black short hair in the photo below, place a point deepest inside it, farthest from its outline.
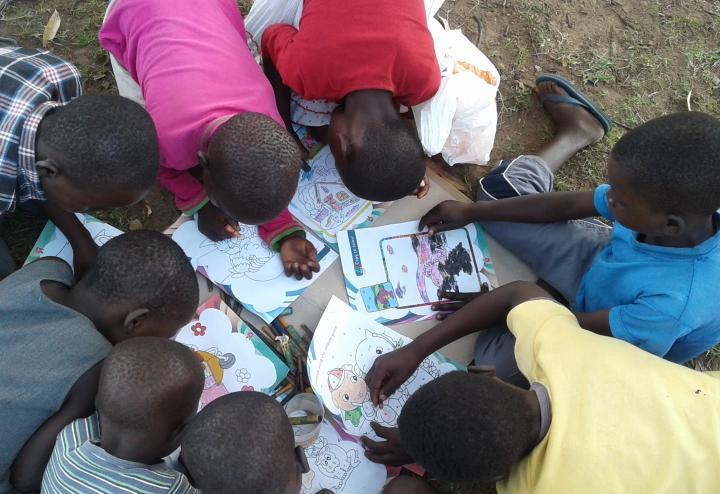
(240, 443)
(255, 166)
(148, 268)
(106, 142)
(149, 382)
(389, 163)
(467, 427)
(673, 162)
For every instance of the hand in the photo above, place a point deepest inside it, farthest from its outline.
(391, 370)
(447, 215)
(388, 452)
(214, 224)
(422, 189)
(299, 257)
(459, 299)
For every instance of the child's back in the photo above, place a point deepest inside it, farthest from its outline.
(54, 333)
(148, 390)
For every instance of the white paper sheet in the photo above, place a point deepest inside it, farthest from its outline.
(233, 356)
(394, 273)
(52, 242)
(337, 462)
(344, 347)
(247, 268)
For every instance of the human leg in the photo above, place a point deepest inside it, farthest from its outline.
(408, 485)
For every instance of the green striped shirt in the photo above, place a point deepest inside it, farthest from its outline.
(79, 465)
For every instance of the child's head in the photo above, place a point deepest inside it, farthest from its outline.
(243, 443)
(141, 284)
(665, 173)
(148, 391)
(97, 152)
(465, 427)
(379, 160)
(347, 389)
(252, 169)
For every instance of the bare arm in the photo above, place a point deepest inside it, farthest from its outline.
(535, 208)
(597, 322)
(28, 468)
(282, 92)
(82, 243)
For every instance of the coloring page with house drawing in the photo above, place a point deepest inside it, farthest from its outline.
(323, 204)
(233, 357)
(52, 242)
(344, 346)
(394, 273)
(337, 462)
(246, 268)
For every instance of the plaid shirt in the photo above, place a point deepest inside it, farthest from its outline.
(32, 82)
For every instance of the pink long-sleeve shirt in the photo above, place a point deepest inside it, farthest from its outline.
(191, 60)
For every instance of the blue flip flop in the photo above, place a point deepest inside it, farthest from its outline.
(574, 97)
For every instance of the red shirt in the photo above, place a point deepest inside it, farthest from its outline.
(349, 45)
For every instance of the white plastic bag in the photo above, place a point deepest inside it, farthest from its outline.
(461, 119)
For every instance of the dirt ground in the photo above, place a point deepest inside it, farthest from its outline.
(636, 58)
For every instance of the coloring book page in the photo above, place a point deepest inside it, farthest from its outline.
(337, 462)
(52, 242)
(234, 358)
(323, 203)
(246, 268)
(344, 347)
(394, 273)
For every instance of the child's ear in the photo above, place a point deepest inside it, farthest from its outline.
(134, 320)
(47, 168)
(674, 225)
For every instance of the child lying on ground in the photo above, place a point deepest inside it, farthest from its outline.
(601, 415)
(371, 56)
(54, 333)
(652, 279)
(72, 152)
(243, 443)
(148, 390)
(212, 107)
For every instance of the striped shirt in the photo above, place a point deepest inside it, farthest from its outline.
(79, 465)
(32, 82)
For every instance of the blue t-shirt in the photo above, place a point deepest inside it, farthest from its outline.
(665, 300)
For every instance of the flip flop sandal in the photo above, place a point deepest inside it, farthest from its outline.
(574, 97)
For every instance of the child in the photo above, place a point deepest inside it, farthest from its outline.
(243, 443)
(384, 57)
(210, 102)
(601, 415)
(651, 280)
(55, 332)
(71, 151)
(148, 390)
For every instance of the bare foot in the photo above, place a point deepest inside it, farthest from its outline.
(571, 120)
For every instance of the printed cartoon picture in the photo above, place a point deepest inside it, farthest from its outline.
(395, 272)
(324, 204)
(247, 268)
(337, 463)
(52, 242)
(343, 349)
(233, 359)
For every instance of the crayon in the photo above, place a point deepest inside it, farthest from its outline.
(283, 389)
(288, 311)
(282, 322)
(308, 333)
(295, 336)
(284, 341)
(305, 420)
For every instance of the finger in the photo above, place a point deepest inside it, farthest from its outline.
(447, 306)
(373, 379)
(307, 274)
(288, 268)
(457, 296)
(374, 446)
(441, 317)
(296, 270)
(231, 230)
(314, 266)
(484, 288)
(379, 430)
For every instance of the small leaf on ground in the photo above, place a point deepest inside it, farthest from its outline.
(51, 28)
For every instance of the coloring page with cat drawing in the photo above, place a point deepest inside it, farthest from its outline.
(393, 273)
(233, 357)
(337, 462)
(344, 346)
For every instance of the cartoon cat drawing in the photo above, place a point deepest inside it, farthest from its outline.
(333, 462)
(370, 348)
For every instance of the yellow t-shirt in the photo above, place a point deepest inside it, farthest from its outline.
(623, 420)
